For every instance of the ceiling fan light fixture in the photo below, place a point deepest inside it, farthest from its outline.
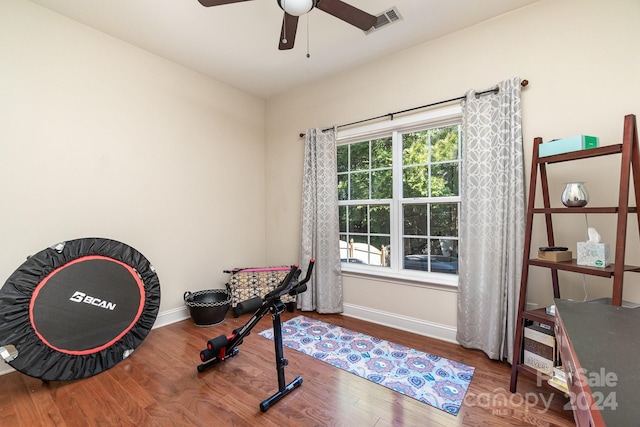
(296, 7)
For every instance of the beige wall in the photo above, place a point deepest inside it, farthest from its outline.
(98, 138)
(581, 58)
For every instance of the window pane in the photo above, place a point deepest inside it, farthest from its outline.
(445, 247)
(420, 259)
(445, 256)
(358, 219)
(415, 150)
(381, 184)
(416, 254)
(380, 219)
(444, 179)
(345, 249)
(383, 244)
(444, 264)
(360, 156)
(415, 181)
(343, 158)
(444, 219)
(349, 250)
(381, 153)
(342, 218)
(359, 250)
(343, 187)
(415, 220)
(415, 246)
(444, 144)
(360, 186)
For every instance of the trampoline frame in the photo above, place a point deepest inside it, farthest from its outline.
(30, 352)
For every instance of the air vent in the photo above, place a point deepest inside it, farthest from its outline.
(384, 19)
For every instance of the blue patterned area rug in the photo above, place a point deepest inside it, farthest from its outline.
(431, 379)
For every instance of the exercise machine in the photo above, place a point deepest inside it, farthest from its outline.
(224, 347)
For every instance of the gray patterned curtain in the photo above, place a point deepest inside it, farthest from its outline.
(320, 228)
(492, 220)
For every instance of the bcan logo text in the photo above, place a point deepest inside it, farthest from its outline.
(88, 299)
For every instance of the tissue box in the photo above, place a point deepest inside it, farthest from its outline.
(575, 143)
(594, 254)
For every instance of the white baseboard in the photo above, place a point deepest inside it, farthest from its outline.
(165, 318)
(171, 316)
(393, 320)
(5, 368)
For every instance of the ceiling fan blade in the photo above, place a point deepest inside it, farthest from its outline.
(349, 14)
(288, 32)
(209, 3)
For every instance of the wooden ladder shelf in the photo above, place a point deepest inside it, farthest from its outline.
(630, 167)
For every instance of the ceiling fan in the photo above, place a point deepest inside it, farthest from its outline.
(293, 9)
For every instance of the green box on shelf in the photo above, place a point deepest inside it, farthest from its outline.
(574, 143)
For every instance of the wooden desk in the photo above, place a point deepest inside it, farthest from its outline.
(600, 349)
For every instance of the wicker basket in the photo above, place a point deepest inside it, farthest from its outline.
(208, 308)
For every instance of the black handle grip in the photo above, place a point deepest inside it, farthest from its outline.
(293, 273)
(301, 287)
(309, 271)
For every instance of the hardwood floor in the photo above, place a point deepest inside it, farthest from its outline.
(159, 386)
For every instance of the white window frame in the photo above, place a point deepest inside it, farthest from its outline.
(440, 117)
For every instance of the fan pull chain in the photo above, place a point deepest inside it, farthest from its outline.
(308, 54)
(284, 25)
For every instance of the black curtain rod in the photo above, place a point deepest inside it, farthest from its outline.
(433, 104)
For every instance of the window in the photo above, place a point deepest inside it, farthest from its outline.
(399, 199)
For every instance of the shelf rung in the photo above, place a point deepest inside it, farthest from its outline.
(585, 210)
(539, 315)
(532, 372)
(582, 154)
(574, 267)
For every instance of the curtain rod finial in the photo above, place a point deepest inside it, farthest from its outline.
(302, 135)
(524, 83)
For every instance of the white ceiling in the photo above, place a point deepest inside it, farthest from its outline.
(238, 43)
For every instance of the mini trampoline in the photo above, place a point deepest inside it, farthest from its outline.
(78, 308)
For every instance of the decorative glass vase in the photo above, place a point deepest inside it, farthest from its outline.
(575, 195)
